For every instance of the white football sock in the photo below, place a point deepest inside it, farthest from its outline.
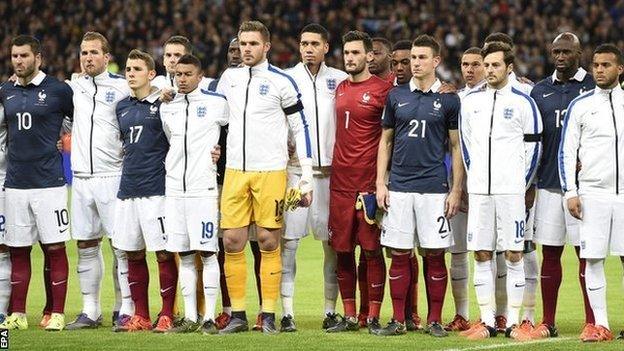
(5, 281)
(596, 285)
(210, 276)
(484, 288)
(127, 305)
(90, 273)
(459, 283)
(188, 286)
(329, 278)
(515, 291)
(531, 272)
(117, 288)
(289, 270)
(500, 284)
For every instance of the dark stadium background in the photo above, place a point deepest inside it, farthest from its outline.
(210, 24)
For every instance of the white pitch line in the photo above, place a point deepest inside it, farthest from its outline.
(511, 344)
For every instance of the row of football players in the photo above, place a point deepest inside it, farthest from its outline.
(344, 231)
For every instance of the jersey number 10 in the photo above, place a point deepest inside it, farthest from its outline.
(24, 120)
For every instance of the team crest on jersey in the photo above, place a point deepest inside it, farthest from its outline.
(437, 105)
(366, 97)
(264, 89)
(42, 96)
(508, 113)
(110, 96)
(153, 110)
(201, 111)
(331, 83)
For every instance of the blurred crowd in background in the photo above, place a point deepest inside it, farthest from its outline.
(210, 24)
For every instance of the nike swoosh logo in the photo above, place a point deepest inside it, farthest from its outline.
(10, 97)
(590, 289)
(124, 113)
(162, 291)
(210, 287)
(482, 284)
(63, 230)
(59, 283)
(458, 279)
(376, 285)
(546, 277)
(274, 273)
(518, 241)
(340, 94)
(204, 242)
(15, 283)
(403, 104)
(132, 283)
(547, 95)
(86, 270)
(444, 236)
(123, 273)
(519, 285)
(437, 279)
(394, 278)
(501, 276)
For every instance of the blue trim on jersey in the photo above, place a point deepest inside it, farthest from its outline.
(462, 145)
(535, 131)
(115, 76)
(564, 185)
(303, 119)
(209, 92)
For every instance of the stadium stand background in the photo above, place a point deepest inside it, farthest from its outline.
(209, 24)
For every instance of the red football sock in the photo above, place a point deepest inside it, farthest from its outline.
(589, 313)
(346, 276)
(47, 309)
(400, 283)
(168, 276)
(376, 276)
(138, 279)
(255, 249)
(20, 277)
(59, 273)
(436, 278)
(225, 296)
(362, 277)
(550, 281)
(413, 293)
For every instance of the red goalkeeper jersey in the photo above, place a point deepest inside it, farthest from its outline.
(359, 107)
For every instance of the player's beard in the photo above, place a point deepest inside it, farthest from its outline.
(357, 70)
(28, 71)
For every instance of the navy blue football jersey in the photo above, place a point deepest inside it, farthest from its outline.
(421, 123)
(145, 147)
(552, 98)
(34, 114)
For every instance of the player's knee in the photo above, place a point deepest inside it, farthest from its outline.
(291, 244)
(513, 256)
(482, 256)
(372, 253)
(206, 253)
(163, 256)
(135, 255)
(233, 243)
(84, 244)
(54, 246)
(400, 252)
(433, 252)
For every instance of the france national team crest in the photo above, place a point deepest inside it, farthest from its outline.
(366, 97)
(153, 110)
(437, 105)
(201, 111)
(42, 96)
(508, 113)
(331, 83)
(110, 96)
(264, 89)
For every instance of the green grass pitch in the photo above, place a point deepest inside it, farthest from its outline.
(308, 309)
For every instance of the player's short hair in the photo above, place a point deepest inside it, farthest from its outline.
(610, 49)
(385, 42)
(21, 40)
(255, 26)
(499, 46)
(315, 28)
(181, 40)
(567, 36)
(402, 45)
(356, 35)
(190, 59)
(89, 36)
(137, 54)
(427, 41)
(472, 51)
(501, 37)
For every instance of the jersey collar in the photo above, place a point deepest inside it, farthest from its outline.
(36, 81)
(578, 76)
(616, 90)
(262, 66)
(433, 89)
(153, 96)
